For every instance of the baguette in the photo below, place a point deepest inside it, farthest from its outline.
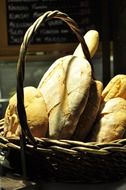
(90, 112)
(65, 87)
(92, 41)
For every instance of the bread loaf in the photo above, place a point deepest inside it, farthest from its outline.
(92, 41)
(36, 111)
(113, 105)
(89, 114)
(65, 87)
(115, 88)
(111, 122)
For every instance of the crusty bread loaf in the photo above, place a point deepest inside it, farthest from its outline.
(110, 127)
(36, 111)
(92, 41)
(89, 114)
(115, 88)
(65, 87)
(113, 105)
(111, 123)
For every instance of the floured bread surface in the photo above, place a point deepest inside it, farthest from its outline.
(92, 41)
(113, 105)
(111, 123)
(65, 88)
(36, 111)
(115, 88)
(110, 127)
(90, 112)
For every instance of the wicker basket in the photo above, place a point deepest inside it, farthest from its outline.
(60, 160)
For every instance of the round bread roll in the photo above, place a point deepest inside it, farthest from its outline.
(90, 112)
(65, 87)
(36, 112)
(111, 122)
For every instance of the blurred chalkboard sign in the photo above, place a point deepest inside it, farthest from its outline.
(17, 15)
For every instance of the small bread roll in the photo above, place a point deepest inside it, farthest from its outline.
(89, 114)
(111, 122)
(65, 87)
(36, 112)
(115, 88)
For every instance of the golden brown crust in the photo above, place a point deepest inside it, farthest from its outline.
(36, 111)
(92, 41)
(110, 127)
(115, 88)
(111, 122)
(89, 114)
(65, 87)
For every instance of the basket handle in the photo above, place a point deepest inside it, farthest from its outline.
(21, 61)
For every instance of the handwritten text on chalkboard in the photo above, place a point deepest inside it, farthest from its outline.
(22, 13)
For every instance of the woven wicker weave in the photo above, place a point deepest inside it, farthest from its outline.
(60, 160)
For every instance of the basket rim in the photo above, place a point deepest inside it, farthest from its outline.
(66, 146)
